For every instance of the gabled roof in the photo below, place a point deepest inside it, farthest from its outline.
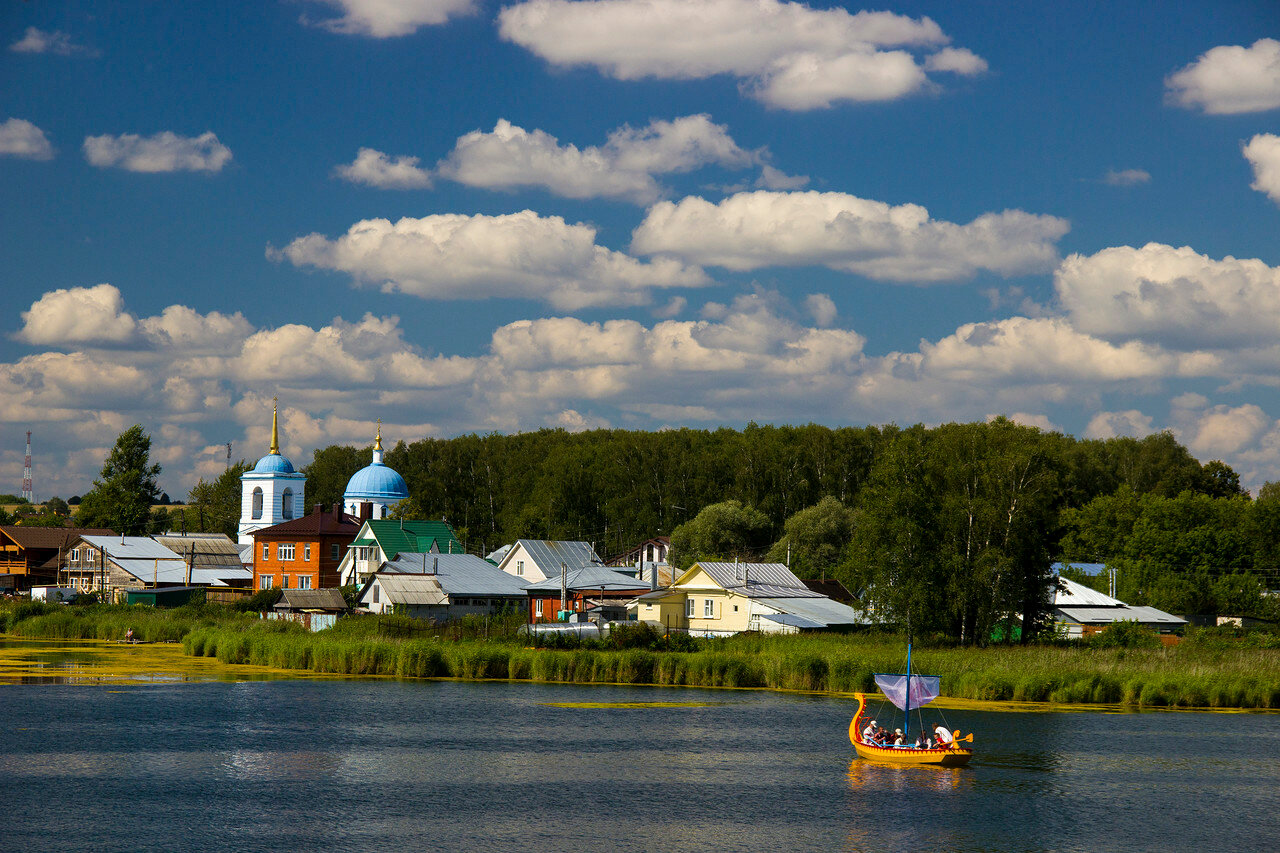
(314, 524)
(820, 610)
(755, 580)
(212, 550)
(49, 537)
(414, 537)
(407, 589)
(1079, 595)
(457, 574)
(587, 578)
(119, 548)
(550, 553)
(1124, 613)
(311, 599)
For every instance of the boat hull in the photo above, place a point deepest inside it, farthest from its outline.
(953, 755)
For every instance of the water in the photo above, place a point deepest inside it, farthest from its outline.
(351, 765)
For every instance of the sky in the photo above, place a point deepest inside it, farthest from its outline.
(497, 216)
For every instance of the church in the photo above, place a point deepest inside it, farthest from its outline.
(273, 492)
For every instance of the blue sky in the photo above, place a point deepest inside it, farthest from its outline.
(461, 215)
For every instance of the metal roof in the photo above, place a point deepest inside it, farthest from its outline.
(1106, 615)
(587, 578)
(736, 574)
(131, 548)
(414, 537)
(457, 574)
(549, 554)
(311, 599)
(818, 609)
(792, 620)
(407, 589)
(1079, 595)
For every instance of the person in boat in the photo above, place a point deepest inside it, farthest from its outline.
(921, 741)
(898, 739)
(882, 736)
(944, 736)
(869, 733)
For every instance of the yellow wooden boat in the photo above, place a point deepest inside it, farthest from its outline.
(948, 755)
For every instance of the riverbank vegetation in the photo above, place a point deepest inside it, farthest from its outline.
(1209, 669)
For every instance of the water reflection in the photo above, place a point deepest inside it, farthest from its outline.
(903, 779)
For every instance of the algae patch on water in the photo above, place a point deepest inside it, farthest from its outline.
(629, 705)
(103, 662)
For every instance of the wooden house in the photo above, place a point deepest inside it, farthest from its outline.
(31, 556)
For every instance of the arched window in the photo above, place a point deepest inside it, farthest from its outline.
(286, 503)
(384, 512)
(257, 502)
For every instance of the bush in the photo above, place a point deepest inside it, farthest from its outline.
(1126, 634)
(260, 601)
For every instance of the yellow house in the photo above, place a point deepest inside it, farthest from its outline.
(717, 599)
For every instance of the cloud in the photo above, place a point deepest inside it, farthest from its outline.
(375, 169)
(843, 232)
(821, 308)
(1130, 422)
(523, 255)
(57, 42)
(774, 179)
(21, 138)
(1263, 153)
(164, 152)
(181, 328)
(1176, 297)
(958, 60)
(78, 315)
(389, 18)
(786, 55)
(1229, 79)
(510, 157)
(1126, 177)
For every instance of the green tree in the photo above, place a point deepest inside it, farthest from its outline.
(331, 468)
(122, 496)
(817, 538)
(722, 530)
(215, 507)
(57, 506)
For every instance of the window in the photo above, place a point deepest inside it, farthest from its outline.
(335, 551)
(384, 512)
(376, 590)
(257, 502)
(284, 552)
(688, 608)
(735, 608)
(286, 503)
(284, 581)
(75, 555)
(306, 552)
(304, 581)
(266, 551)
(520, 568)
(537, 606)
(264, 582)
(708, 608)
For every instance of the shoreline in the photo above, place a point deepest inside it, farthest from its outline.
(180, 667)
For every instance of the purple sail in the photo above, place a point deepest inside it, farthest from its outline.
(924, 689)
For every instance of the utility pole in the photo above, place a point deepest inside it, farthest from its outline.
(26, 473)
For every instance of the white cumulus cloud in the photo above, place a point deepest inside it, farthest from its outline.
(375, 169)
(1263, 153)
(510, 157)
(881, 241)
(453, 256)
(389, 18)
(787, 55)
(1177, 297)
(21, 138)
(958, 60)
(1126, 177)
(163, 152)
(1131, 423)
(78, 315)
(1229, 79)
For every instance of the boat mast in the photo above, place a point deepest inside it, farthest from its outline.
(906, 726)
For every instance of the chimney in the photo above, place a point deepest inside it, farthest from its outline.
(366, 511)
(318, 509)
(653, 578)
(435, 565)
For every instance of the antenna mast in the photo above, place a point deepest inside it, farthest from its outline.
(26, 473)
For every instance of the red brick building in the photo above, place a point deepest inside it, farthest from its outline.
(303, 553)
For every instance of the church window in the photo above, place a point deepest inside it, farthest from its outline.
(384, 512)
(286, 504)
(257, 503)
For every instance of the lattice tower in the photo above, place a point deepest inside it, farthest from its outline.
(26, 472)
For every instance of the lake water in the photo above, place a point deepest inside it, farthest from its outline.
(352, 765)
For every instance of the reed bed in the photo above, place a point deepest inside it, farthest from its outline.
(1205, 671)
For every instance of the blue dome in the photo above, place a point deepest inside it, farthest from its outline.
(273, 463)
(377, 482)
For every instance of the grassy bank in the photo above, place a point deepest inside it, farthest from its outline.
(1207, 671)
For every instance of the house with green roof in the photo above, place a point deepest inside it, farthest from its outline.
(382, 539)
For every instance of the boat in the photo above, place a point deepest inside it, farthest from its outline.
(908, 692)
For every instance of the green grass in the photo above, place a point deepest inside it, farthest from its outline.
(1207, 670)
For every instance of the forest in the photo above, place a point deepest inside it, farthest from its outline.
(950, 528)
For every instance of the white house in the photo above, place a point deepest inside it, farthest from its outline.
(535, 560)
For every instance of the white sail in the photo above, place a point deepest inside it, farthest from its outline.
(924, 689)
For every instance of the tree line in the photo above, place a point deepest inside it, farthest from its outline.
(951, 529)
